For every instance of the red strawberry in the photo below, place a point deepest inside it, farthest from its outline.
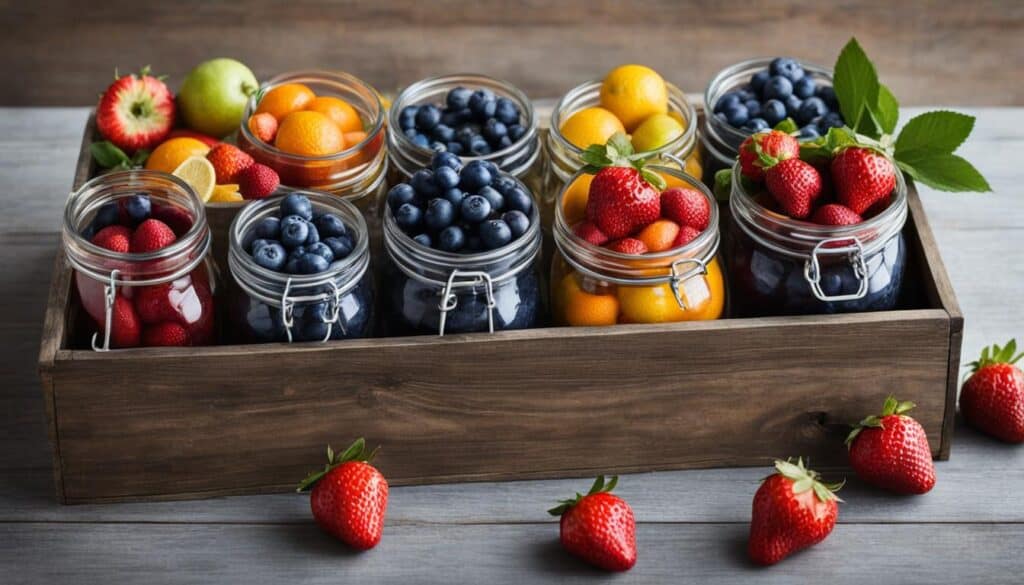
(167, 334)
(228, 161)
(176, 218)
(686, 207)
(795, 185)
(263, 126)
(686, 235)
(628, 246)
(204, 138)
(862, 177)
(792, 511)
(992, 399)
(590, 233)
(151, 235)
(124, 324)
(835, 214)
(136, 112)
(623, 195)
(599, 527)
(766, 147)
(153, 304)
(114, 237)
(891, 451)
(258, 181)
(349, 497)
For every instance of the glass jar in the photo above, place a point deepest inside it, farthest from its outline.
(783, 266)
(433, 291)
(269, 306)
(721, 140)
(136, 300)
(592, 285)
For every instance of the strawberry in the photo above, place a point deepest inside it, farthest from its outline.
(589, 232)
(258, 181)
(349, 497)
(136, 112)
(166, 334)
(124, 324)
(686, 207)
(891, 450)
(992, 399)
(228, 161)
(151, 235)
(598, 527)
(792, 511)
(116, 238)
(624, 195)
(862, 177)
(628, 246)
(153, 304)
(795, 185)
(765, 149)
(204, 138)
(835, 214)
(176, 218)
(686, 235)
(263, 126)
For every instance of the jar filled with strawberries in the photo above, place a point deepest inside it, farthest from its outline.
(139, 245)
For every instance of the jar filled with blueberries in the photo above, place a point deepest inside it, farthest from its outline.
(756, 95)
(300, 263)
(462, 245)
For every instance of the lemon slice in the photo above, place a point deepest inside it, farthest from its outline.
(227, 193)
(199, 174)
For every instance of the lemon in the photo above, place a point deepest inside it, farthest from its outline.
(655, 132)
(199, 174)
(227, 193)
(171, 153)
(591, 126)
(634, 93)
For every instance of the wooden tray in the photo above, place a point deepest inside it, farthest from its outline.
(172, 423)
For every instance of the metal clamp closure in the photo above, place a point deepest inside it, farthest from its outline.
(449, 301)
(109, 296)
(679, 277)
(330, 318)
(854, 251)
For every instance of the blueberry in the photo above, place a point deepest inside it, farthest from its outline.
(475, 208)
(495, 233)
(746, 94)
(107, 215)
(258, 243)
(446, 178)
(421, 140)
(479, 147)
(497, 200)
(443, 133)
(503, 142)
(830, 120)
(482, 104)
(758, 80)
(89, 232)
(440, 214)
(793, 104)
(454, 196)
(295, 204)
(422, 239)
(438, 146)
(458, 98)
(407, 118)
(321, 249)
(753, 108)
(409, 217)
(455, 118)
(473, 244)
(423, 183)
(341, 246)
(455, 147)
(811, 109)
(475, 176)
(399, 195)
(491, 168)
(294, 233)
(804, 87)
(329, 225)
(756, 125)
(721, 118)
(312, 263)
(786, 67)
(504, 184)
(410, 133)
(517, 222)
(314, 235)
(778, 88)
(506, 112)
(465, 135)
(730, 98)
(446, 159)
(269, 228)
(737, 114)
(773, 112)
(809, 132)
(291, 266)
(427, 117)
(138, 207)
(451, 239)
(827, 93)
(515, 132)
(519, 200)
(494, 130)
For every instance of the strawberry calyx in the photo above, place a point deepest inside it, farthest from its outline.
(993, 355)
(599, 486)
(355, 452)
(805, 479)
(618, 152)
(891, 407)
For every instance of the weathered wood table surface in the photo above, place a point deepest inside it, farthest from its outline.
(692, 525)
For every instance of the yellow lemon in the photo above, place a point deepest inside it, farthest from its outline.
(591, 126)
(171, 153)
(634, 93)
(227, 193)
(656, 131)
(199, 174)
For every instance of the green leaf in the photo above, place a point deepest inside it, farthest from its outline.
(788, 126)
(653, 178)
(614, 481)
(868, 126)
(139, 158)
(837, 138)
(938, 132)
(109, 156)
(598, 485)
(887, 110)
(855, 82)
(354, 451)
(723, 184)
(946, 172)
(802, 485)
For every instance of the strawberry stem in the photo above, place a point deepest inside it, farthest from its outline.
(891, 406)
(997, 355)
(355, 452)
(618, 152)
(599, 486)
(805, 479)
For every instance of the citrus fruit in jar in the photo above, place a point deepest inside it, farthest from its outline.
(656, 131)
(574, 201)
(338, 110)
(633, 93)
(170, 153)
(285, 99)
(309, 134)
(583, 309)
(704, 298)
(591, 126)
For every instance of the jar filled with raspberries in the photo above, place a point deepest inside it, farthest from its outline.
(817, 227)
(139, 245)
(300, 270)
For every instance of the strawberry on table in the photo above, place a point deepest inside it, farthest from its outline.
(795, 185)
(599, 527)
(792, 510)
(349, 497)
(624, 195)
(765, 149)
(228, 161)
(136, 112)
(992, 399)
(862, 177)
(891, 450)
(258, 181)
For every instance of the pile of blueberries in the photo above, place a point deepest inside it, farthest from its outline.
(464, 209)
(784, 90)
(471, 123)
(299, 241)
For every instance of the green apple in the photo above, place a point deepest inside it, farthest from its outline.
(656, 131)
(212, 99)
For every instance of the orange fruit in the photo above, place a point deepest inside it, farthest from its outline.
(337, 109)
(171, 153)
(633, 93)
(583, 309)
(309, 134)
(659, 235)
(354, 137)
(704, 297)
(591, 126)
(574, 201)
(285, 99)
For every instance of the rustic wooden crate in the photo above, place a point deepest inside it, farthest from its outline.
(171, 423)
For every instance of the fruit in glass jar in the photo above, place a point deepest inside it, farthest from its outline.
(581, 308)
(307, 133)
(703, 298)
(263, 126)
(656, 131)
(213, 96)
(284, 99)
(591, 126)
(339, 111)
(633, 93)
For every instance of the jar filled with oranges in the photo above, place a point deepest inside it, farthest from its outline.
(661, 272)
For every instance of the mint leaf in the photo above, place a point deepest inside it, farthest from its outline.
(837, 138)
(109, 156)
(887, 110)
(931, 133)
(946, 172)
(788, 126)
(856, 84)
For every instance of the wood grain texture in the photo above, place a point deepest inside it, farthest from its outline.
(62, 52)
